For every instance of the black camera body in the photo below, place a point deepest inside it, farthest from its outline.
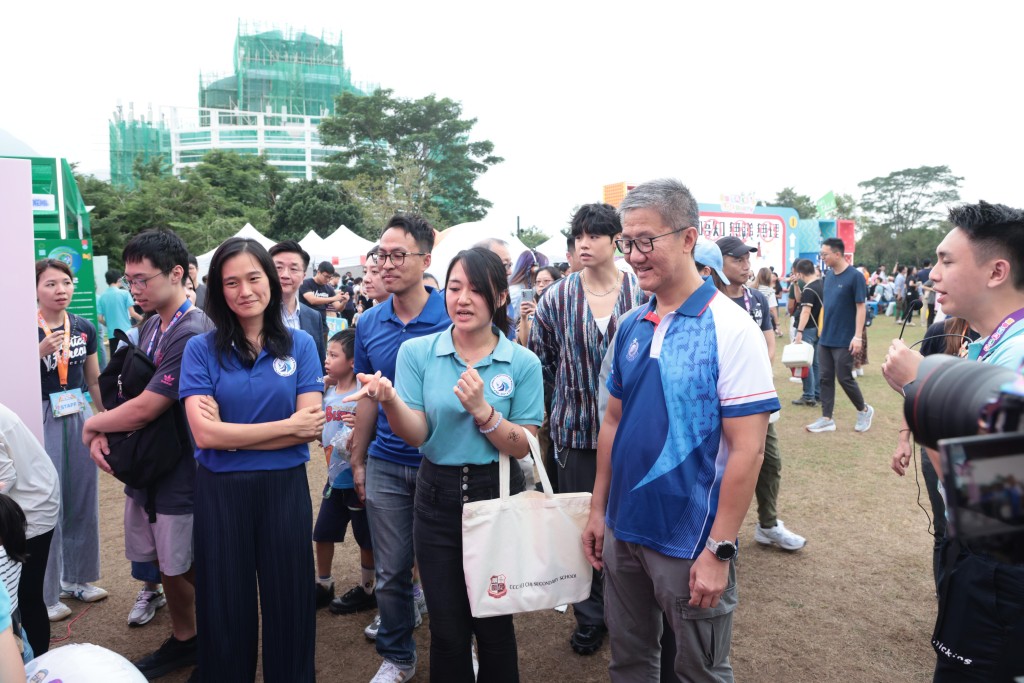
(972, 414)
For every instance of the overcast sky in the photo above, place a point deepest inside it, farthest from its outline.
(727, 97)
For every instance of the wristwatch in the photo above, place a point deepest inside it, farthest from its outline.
(723, 550)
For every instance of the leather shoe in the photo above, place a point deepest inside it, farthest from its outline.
(586, 640)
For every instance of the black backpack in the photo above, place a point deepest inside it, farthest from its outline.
(142, 457)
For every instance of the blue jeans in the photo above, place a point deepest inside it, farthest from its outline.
(812, 382)
(146, 571)
(390, 497)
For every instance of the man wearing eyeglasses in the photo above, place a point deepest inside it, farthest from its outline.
(574, 322)
(291, 261)
(690, 392)
(384, 468)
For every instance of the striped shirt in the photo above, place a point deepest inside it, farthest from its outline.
(10, 575)
(571, 348)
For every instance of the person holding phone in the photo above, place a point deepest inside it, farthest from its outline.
(528, 304)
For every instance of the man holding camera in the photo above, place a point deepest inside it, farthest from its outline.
(979, 277)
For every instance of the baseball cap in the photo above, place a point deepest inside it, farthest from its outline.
(734, 246)
(708, 254)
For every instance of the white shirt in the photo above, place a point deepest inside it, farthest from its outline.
(291, 319)
(27, 475)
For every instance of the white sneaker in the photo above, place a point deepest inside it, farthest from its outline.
(864, 419)
(371, 630)
(421, 601)
(58, 612)
(146, 605)
(418, 616)
(389, 672)
(779, 535)
(82, 592)
(822, 424)
(476, 660)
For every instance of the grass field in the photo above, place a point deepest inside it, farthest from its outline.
(856, 604)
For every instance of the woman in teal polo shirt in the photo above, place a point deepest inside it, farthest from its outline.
(463, 396)
(252, 394)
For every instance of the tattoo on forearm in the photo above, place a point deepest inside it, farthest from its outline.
(513, 436)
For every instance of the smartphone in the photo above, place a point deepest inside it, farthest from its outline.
(528, 295)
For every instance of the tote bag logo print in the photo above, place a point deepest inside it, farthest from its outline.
(498, 588)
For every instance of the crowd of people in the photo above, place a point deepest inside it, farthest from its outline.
(650, 387)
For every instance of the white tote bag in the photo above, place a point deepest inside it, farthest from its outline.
(524, 552)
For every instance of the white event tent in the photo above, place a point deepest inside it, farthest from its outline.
(553, 248)
(343, 248)
(248, 232)
(459, 237)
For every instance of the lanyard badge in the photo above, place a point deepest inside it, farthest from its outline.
(64, 354)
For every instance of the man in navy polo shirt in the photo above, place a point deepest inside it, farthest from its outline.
(679, 449)
(384, 469)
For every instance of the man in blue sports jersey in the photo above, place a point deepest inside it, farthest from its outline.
(679, 450)
(979, 276)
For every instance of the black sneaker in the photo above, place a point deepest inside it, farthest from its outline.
(586, 640)
(355, 600)
(324, 595)
(804, 402)
(174, 654)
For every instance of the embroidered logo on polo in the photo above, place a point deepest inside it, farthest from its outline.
(285, 367)
(633, 350)
(502, 385)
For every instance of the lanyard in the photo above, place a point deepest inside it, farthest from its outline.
(746, 300)
(1000, 331)
(64, 355)
(157, 334)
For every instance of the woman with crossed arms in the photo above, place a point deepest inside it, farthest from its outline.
(496, 394)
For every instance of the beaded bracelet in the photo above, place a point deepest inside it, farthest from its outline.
(488, 431)
(481, 424)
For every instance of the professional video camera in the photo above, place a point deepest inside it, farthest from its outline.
(972, 414)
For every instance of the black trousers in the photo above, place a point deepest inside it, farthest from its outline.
(437, 536)
(931, 483)
(577, 470)
(836, 364)
(253, 535)
(30, 593)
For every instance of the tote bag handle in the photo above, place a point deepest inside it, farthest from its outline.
(504, 472)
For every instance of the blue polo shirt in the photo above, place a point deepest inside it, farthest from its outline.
(678, 378)
(265, 392)
(379, 335)
(428, 370)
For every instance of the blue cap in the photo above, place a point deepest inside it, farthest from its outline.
(708, 254)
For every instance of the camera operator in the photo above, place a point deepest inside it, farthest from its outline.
(979, 277)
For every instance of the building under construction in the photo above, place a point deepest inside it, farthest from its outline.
(284, 83)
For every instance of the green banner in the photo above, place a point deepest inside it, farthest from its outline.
(78, 255)
(827, 206)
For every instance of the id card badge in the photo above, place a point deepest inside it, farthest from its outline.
(67, 402)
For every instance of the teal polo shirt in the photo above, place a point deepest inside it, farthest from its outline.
(1007, 352)
(426, 373)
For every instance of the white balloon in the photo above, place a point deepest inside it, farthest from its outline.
(82, 663)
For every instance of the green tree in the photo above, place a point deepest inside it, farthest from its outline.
(242, 178)
(910, 198)
(788, 196)
(880, 245)
(846, 207)
(380, 197)
(533, 236)
(105, 199)
(314, 205)
(417, 150)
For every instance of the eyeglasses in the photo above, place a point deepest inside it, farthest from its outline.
(644, 245)
(294, 270)
(397, 257)
(141, 283)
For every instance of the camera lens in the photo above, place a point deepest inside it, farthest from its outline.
(947, 399)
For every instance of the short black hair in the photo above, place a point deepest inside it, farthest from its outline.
(291, 247)
(325, 267)
(596, 219)
(835, 244)
(570, 243)
(993, 230)
(112, 276)
(193, 261)
(347, 339)
(12, 529)
(162, 247)
(927, 262)
(804, 266)
(415, 225)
